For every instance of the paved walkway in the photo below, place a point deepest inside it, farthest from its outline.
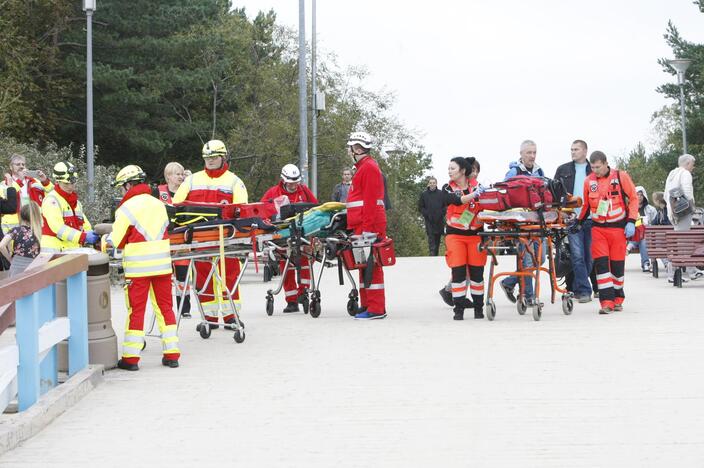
(416, 389)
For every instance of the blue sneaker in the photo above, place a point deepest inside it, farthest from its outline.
(366, 315)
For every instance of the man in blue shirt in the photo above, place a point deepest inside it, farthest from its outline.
(572, 175)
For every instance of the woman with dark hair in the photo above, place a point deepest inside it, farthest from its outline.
(462, 239)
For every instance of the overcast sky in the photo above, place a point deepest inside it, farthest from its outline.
(477, 77)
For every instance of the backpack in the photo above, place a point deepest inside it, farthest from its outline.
(518, 192)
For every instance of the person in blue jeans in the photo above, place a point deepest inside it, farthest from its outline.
(524, 166)
(572, 176)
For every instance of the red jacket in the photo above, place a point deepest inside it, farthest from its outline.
(365, 201)
(302, 194)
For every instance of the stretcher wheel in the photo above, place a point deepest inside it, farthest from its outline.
(567, 305)
(269, 305)
(521, 305)
(537, 311)
(203, 330)
(239, 336)
(491, 310)
(305, 302)
(352, 307)
(315, 308)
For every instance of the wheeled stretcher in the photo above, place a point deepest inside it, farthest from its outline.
(533, 233)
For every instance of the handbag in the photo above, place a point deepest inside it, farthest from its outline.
(681, 206)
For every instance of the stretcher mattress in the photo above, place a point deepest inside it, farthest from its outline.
(518, 216)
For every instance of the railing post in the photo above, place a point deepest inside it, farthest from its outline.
(48, 368)
(27, 337)
(77, 311)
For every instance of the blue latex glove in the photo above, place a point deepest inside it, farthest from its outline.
(480, 189)
(630, 230)
(91, 238)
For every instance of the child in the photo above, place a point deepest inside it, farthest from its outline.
(25, 238)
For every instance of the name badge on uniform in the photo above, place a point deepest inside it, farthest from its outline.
(466, 218)
(603, 208)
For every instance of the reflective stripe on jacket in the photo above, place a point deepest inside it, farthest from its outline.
(610, 192)
(31, 189)
(365, 201)
(200, 187)
(140, 228)
(454, 213)
(62, 226)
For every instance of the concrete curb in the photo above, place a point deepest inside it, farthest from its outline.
(17, 428)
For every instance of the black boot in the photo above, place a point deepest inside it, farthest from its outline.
(169, 362)
(459, 313)
(478, 312)
(291, 307)
(126, 366)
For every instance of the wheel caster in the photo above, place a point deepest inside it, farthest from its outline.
(239, 336)
(352, 307)
(537, 311)
(491, 310)
(305, 303)
(204, 330)
(567, 305)
(269, 305)
(521, 305)
(267, 274)
(315, 309)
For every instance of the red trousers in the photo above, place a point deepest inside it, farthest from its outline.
(609, 254)
(291, 288)
(138, 290)
(373, 297)
(214, 297)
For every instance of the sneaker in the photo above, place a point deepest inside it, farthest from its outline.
(173, 363)
(695, 276)
(446, 297)
(369, 316)
(185, 314)
(584, 299)
(646, 267)
(509, 292)
(605, 310)
(126, 366)
(618, 308)
(291, 307)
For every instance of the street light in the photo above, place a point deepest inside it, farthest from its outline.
(681, 65)
(89, 8)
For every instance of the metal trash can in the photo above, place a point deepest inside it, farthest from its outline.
(102, 342)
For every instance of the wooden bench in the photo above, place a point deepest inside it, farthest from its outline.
(657, 245)
(680, 246)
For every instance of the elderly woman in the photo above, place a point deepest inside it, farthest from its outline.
(174, 174)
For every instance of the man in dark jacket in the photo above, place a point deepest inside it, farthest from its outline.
(572, 176)
(432, 206)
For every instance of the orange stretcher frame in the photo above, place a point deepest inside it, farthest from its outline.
(524, 232)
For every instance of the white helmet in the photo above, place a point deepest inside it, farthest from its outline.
(362, 139)
(290, 173)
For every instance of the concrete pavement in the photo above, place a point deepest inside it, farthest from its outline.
(416, 389)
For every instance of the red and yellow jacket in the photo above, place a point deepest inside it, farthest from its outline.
(365, 201)
(212, 186)
(140, 229)
(64, 225)
(612, 200)
(27, 189)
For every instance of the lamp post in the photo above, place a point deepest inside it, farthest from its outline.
(89, 8)
(681, 65)
(302, 93)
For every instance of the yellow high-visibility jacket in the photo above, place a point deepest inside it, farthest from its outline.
(63, 227)
(32, 189)
(140, 229)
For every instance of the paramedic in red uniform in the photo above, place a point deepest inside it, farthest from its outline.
(174, 174)
(611, 199)
(290, 186)
(215, 184)
(366, 215)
